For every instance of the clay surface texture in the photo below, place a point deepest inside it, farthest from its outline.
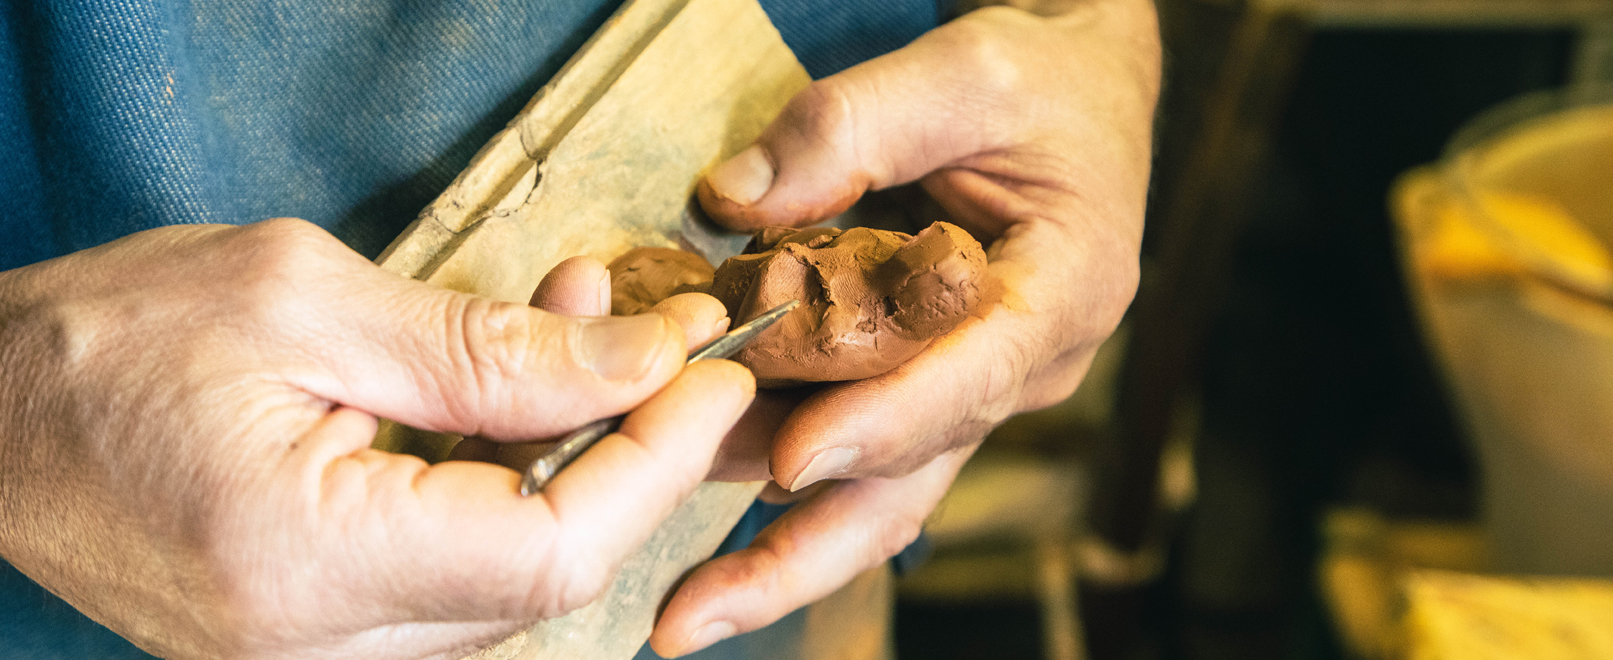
(644, 276)
(871, 299)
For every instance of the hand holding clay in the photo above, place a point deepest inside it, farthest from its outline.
(1031, 133)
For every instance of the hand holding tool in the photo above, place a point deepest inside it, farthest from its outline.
(545, 468)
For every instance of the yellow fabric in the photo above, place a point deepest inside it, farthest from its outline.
(1457, 616)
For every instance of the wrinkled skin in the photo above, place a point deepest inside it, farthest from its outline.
(187, 416)
(871, 299)
(187, 411)
(1032, 130)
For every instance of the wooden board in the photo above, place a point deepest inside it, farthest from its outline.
(605, 158)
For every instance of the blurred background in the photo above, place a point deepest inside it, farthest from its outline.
(1363, 405)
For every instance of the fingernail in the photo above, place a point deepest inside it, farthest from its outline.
(709, 634)
(744, 178)
(828, 463)
(604, 294)
(620, 347)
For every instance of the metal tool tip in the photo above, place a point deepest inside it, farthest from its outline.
(766, 319)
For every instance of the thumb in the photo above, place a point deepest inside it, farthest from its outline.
(885, 122)
(452, 362)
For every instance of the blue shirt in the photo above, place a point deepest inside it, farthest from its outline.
(123, 115)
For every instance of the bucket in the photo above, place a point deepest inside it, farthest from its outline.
(1507, 246)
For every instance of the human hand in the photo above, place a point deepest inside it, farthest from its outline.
(1031, 132)
(187, 415)
(581, 286)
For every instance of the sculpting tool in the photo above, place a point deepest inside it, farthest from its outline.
(542, 470)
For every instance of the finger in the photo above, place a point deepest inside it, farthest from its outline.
(470, 366)
(884, 122)
(447, 361)
(579, 286)
(702, 317)
(666, 445)
(809, 553)
(891, 424)
(516, 558)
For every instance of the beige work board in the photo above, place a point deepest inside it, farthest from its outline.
(605, 158)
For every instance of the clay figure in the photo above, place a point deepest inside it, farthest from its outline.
(871, 298)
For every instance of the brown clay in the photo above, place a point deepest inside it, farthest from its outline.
(871, 299)
(644, 276)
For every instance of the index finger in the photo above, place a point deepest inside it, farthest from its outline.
(456, 542)
(614, 495)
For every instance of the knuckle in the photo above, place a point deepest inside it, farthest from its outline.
(1110, 292)
(283, 239)
(895, 535)
(277, 261)
(1059, 382)
(288, 226)
(824, 111)
(583, 582)
(1062, 389)
(54, 338)
(902, 455)
(1004, 381)
(492, 343)
(989, 61)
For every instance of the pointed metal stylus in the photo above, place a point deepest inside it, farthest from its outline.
(539, 473)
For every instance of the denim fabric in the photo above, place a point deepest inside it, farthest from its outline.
(35, 625)
(123, 115)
